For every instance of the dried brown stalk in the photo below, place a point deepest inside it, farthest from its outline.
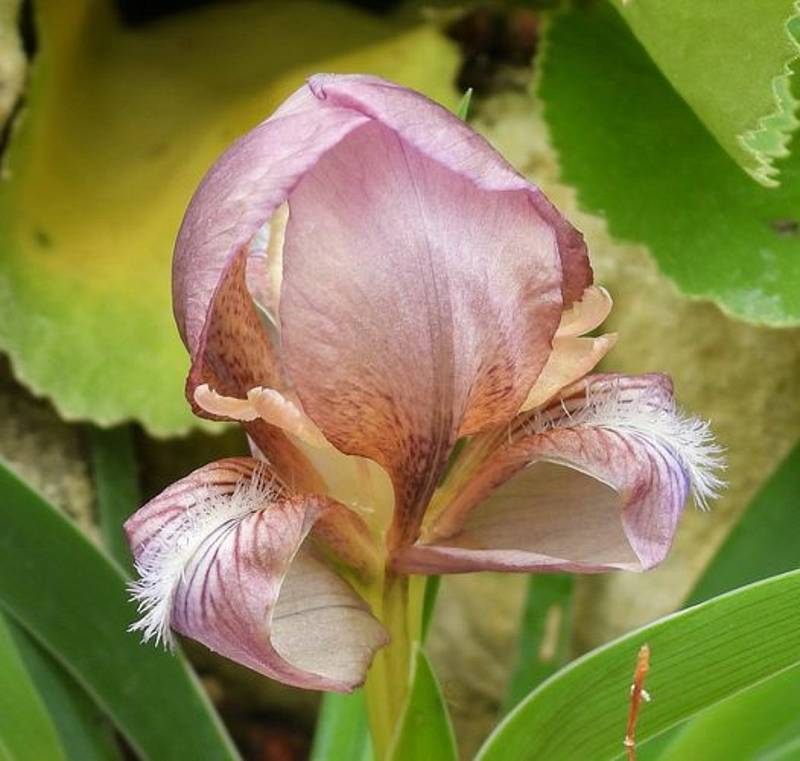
(638, 693)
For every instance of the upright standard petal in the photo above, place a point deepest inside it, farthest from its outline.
(416, 306)
(240, 194)
(319, 127)
(227, 557)
(595, 482)
(251, 180)
(443, 137)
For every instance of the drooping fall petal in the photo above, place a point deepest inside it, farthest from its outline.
(448, 267)
(226, 556)
(597, 481)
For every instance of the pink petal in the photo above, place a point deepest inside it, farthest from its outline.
(443, 137)
(226, 557)
(505, 237)
(546, 517)
(236, 356)
(240, 194)
(235, 353)
(598, 481)
(415, 305)
(256, 174)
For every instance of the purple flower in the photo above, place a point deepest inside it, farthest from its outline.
(363, 282)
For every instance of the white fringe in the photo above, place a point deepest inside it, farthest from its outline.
(162, 562)
(689, 438)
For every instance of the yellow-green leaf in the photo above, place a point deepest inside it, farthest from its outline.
(119, 126)
(731, 62)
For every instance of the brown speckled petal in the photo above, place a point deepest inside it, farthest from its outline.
(235, 355)
(416, 307)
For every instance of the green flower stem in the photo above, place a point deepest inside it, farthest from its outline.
(400, 608)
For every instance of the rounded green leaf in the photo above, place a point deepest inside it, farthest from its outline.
(739, 85)
(639, 156)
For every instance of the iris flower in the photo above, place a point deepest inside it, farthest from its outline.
(399, 322)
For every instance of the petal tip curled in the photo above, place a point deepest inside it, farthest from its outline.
(655, 417)
(227, 558)
(595, 481)
(160, 560)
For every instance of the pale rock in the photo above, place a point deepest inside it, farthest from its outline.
(13, 63)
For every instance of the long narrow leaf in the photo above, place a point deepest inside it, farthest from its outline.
(73, 599)
(85, 734)
(700, 656)
(766, 540)
(116, 485)
(425, 731)
(543, 636)
(744, 726)
(342, 732)
(27, 732)
(432, 585)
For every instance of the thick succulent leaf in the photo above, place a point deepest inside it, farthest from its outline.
(12, 58)
(699, 657)
(97, 176)
(738, 85)
(66, 593)
(27, 732)
(424, 732)
(637, 154)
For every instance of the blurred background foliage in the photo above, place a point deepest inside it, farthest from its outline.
(664, 131)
